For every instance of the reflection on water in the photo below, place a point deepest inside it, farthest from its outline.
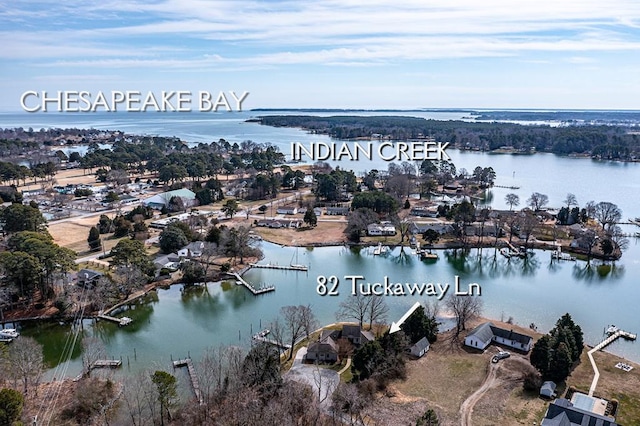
(175, 321)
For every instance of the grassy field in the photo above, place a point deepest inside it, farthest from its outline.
(447, 375)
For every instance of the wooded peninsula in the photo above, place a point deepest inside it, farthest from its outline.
(599, 141)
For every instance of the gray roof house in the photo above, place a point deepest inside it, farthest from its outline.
(170, 261)
(325, 349)
(481, 336)
(88, 277)
(337, 211)
(420, 348)
(160, 200)
(356, 335)
(562, 412)
(548, 389)
(191, 250)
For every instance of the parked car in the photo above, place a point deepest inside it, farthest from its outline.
(500, 355)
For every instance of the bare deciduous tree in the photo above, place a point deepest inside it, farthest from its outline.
(92, 350)
(25, 361)
(377, 311)
(354, 307)
(349, 404)
(537, 201)
(608, 214)
(464, 309)
(297, 320)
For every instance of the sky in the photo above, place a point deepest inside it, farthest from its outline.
(404, 54)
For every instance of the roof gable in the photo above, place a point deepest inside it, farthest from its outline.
(483, 332)
(510, 335)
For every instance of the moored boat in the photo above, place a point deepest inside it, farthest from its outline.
(9, 333)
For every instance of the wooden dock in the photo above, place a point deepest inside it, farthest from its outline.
(606, 342)
(186, 362)
(302, 268)
(120, 321)
(106, 363)
(271, 342)
(252, 289)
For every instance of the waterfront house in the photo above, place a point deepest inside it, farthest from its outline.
(420, 348)
(421, 228)
(88, 277)
(191, 250)
(169, 261)
(356, 335)
(563, 412)
(325, 349)
(486, 333)
(385, 228)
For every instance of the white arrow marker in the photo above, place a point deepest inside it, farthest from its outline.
(396, 326)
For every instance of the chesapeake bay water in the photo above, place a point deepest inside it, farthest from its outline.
(176, 324)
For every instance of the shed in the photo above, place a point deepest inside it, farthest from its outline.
(548, 389)
(420, 348)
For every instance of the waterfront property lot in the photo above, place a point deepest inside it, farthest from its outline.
(326, 233)
(445, 377)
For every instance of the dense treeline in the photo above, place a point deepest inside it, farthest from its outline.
(600, 141)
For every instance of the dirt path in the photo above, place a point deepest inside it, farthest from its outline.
(467, 406)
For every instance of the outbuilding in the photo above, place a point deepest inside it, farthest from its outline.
(420, 348)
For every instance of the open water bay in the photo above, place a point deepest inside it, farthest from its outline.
(172, 323)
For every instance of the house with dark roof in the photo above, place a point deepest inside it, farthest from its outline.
(356, 335)
(325, 349)
(420, 348)
(562, 412)
(88, 277)
(486, 333)
(337, 211)
(169, 261)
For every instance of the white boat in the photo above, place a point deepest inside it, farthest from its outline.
(9, 333)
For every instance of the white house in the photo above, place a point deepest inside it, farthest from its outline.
(381, 229)
(161, 200)
(482, 336)
(191, 250)
(287, 210)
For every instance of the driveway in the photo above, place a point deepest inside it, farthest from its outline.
(323, 381)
